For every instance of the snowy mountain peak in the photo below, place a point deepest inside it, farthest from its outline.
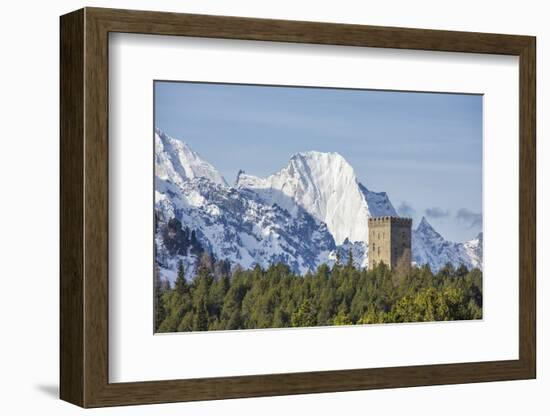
(378, 202)
(325, 158)
(176, 161)
(424, 223)
(324, 185)
(429, 247)
(424, 227)
(321, 168)
(238, 179)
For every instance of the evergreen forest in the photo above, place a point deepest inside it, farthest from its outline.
(219, 298)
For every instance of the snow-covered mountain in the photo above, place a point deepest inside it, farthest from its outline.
(325, 185)
(429, 247)
(176, 162)
(311, 212)
(359, 253)
(474, 249)
(233, 224)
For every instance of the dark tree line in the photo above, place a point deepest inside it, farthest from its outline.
(219, 299)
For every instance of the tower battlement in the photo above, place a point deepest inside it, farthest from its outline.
(390, 241)
(389, 219)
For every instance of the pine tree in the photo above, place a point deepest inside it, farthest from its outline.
(304, 316)
(181, 284)
(216, 295)
(200, 318)
(159, 289)
(342, 318)
(349, 263)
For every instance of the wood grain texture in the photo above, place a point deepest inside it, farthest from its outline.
(84, 207)
(96, 208)
(71, 207)
(527, 208)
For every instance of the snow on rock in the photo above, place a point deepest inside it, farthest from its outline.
(311, 212)
(358, 250)
(474, 249)
(176, 162)
(235, 226)
(429, 247)
(232, 224)
(325, 185)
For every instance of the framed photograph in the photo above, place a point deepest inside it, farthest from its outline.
(254, 207)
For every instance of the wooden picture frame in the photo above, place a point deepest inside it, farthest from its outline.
(84, 207)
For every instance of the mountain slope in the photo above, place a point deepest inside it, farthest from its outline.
(235, 226)
(325, 185)
(429, 247)
(474, 249)
(232, 224)
(311, 212)
(176, 162)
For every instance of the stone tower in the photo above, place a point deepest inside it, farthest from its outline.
(390, 241)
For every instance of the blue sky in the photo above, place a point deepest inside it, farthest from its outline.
(423, 149)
